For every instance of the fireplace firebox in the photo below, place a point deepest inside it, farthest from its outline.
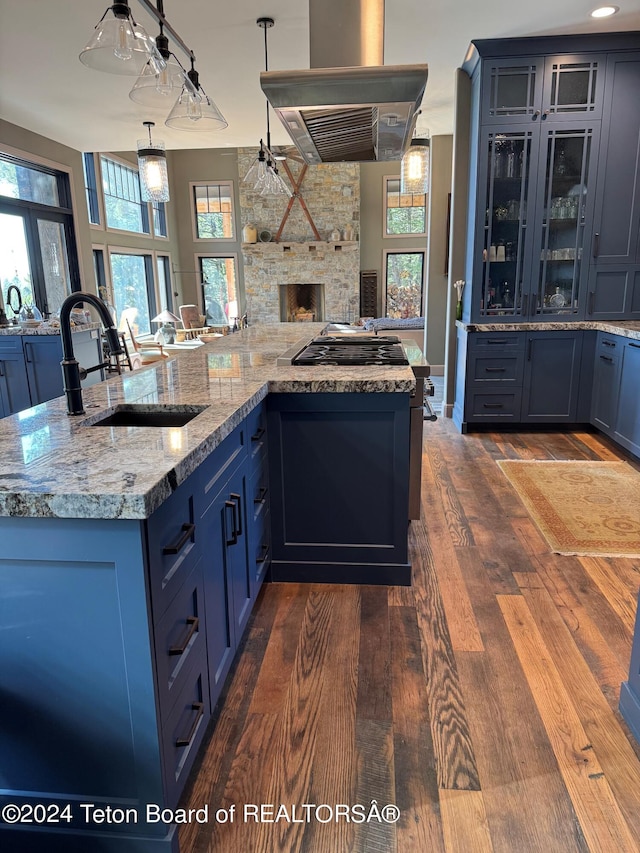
(300, 303)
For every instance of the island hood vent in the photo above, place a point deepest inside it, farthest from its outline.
(354, 111)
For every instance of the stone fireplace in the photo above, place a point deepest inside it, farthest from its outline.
(331, 269)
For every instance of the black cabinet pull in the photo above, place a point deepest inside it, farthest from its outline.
(609, 343)
(534, 302)
(495, 369)
(188, 530)
(493, 405)
(525, 303)
(258, 434)
(591, 298)
(186, 741)
(607, 358)
(192, 622)
(529, 348)
(496, 341)
(1, 369)
(261, 496)
(237, 498)
(535, 115)
(27, 352)
(234, 533)
(596, 245)
(635, 346)
(264, 552)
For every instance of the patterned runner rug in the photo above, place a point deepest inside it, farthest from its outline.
(581, 508)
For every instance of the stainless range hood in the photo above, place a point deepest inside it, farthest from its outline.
(353, 111)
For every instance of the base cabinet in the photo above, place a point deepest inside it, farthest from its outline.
(551, 381)
(606, 382)
(14, 385)
(627, 426)
(114, 654)
(630, 689)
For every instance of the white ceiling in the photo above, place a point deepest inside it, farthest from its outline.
(45, 88)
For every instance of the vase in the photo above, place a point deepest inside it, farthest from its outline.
(459, 310)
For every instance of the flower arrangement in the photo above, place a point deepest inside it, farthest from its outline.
(459, 286)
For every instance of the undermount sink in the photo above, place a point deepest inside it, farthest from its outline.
(149, 415)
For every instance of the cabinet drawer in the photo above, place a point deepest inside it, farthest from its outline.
(180, 639)
(184, 730)
(217, 469)
(173, 548)
(609, 344)
(496, 405)
(496, 341)
(258, 494)
(259, 552)
(490, 367)
(256, 426)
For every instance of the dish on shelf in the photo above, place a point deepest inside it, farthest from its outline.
(265, 236)
(557, 300)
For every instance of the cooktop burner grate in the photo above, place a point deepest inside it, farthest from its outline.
(379, 350)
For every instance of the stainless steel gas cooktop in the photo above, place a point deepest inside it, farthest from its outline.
(343, 350)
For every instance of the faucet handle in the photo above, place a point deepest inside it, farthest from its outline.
(113, 340)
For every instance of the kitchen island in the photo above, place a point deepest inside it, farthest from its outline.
(132, 557)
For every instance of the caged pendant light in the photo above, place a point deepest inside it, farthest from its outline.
(119, 45)
(263, 173)
(152, 165)
(414, 177)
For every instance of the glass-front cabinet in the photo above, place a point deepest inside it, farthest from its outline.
(537, 210)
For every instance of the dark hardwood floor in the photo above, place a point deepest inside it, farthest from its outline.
(482, 701)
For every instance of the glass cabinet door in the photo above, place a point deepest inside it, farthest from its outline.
(512, 90)
(564, 213)
(505, 222)
(573, 87)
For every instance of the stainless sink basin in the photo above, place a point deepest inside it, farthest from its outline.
(148, 415)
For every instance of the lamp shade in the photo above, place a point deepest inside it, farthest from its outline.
(119, 45)
(194, 110)
(159, 90)
(166, 316)
(152, 167)
(415, 167)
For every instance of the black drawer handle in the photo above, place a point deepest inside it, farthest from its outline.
(186, 741)
(493, 405)
(192, 622)
(239, 525)
(592, 296)
(609, 343)
(606, 358)
(635, 346)
(525, 303)
(188, 530)
(596, 245)
(261, 496)
(234, 533)
(258, 434)
(263, 557)
(1, 369)
(495, 369)
(496, 341)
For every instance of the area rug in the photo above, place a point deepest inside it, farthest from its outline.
(581, 508)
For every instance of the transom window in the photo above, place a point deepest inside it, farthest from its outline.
(405, 213)
(123, 205)
(213, 210)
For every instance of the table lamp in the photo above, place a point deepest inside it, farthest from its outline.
(166, 334)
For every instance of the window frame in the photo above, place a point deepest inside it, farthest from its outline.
(406, 234)
(198, 266)
(165, 257)
(99, 190)
(194, 218)
(409, 250)
(149, 257)
(145, 206)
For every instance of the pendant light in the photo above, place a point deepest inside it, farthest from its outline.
(160, 88)
(194, 110)
(263, 173)
(152, 165)
(119, 45)
(415, 166)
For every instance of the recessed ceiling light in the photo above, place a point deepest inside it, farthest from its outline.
(604, 11)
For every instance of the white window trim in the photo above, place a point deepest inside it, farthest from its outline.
(405, 250)
(192, 204)
(410, 235)
(197, 257)
(108, 228)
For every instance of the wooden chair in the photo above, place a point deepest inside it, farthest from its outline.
(146, 352)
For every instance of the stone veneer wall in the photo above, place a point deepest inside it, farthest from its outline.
(332, 194)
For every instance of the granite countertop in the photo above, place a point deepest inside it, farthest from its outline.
(624, 328)
(54, 465)
(45, 329)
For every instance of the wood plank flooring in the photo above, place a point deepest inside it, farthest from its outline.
(482, 701)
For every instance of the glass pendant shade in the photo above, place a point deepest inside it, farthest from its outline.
(120, 46)
(159, 90)
(415, 168)
(257, 171)
(194, 110)
(152, 165)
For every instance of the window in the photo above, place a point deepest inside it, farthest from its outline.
(406, 213)
(133, 290)
(213, 210)
(124, 207)
(219, 289)
(21, 180)
(159, 219)
(91, 188)
(404, 284)
(164, 282)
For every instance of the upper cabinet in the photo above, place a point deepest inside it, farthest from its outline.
(555, 205)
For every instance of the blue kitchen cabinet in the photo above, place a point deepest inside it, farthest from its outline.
(614, 253)
(258, 500)
(552, 373)
(630, 689)
(606, 382)
(322, 531)
(14, 386)
(627, 426)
